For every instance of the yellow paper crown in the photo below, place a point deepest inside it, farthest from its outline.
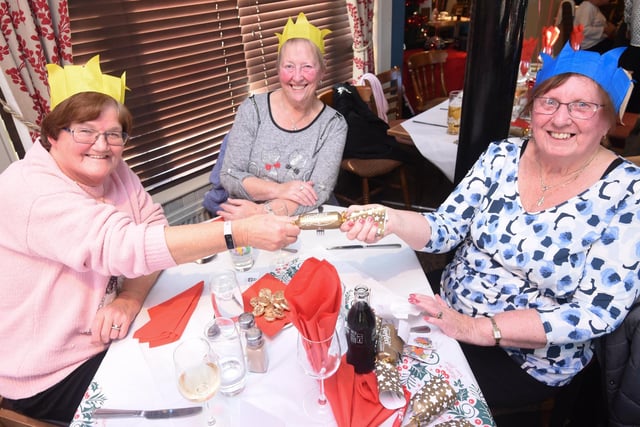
(72, 79)
(302, 29)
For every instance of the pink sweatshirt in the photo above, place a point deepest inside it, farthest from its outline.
(58, 248)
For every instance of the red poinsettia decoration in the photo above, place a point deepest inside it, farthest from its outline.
(550, 35)
(576, 37)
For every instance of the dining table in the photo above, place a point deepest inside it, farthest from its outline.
(427, 131)
(135, 376)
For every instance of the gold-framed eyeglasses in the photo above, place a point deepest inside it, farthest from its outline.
(90, 136)
(581, 110)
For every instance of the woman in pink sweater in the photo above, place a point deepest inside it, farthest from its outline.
(77, 225)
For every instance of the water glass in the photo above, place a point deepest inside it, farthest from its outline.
(224, 340)
(242, 257)
(455, 112)
(226, 296)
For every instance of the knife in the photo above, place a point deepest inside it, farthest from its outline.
(381, 246)
(155, 414)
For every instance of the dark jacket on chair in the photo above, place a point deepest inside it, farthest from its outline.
(619, 356)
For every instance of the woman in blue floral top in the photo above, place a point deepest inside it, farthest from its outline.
(547, 237)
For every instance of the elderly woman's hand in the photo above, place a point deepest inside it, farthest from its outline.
(301, 192)
(239, 208)
(269, 232)
(366, 229)
(452, 323)
(113, 320)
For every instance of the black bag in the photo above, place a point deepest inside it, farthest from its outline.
(367, 134)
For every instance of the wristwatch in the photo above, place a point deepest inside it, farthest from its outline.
(497, 335)
(228, 236)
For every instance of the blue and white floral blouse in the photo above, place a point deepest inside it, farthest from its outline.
(577, 263)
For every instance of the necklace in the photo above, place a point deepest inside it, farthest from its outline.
(572, 177)
(88, 190)
(294, 124)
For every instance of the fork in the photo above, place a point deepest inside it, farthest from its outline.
(320, 231)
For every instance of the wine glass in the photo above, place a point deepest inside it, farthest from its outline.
(319, 359)
(198, 373)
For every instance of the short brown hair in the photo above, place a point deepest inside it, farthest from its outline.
(81, 107)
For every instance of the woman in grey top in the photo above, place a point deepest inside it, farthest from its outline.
(285, 145)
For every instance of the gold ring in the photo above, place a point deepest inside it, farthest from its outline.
(439, 315)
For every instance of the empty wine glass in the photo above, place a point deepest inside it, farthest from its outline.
(198, 373)
(319, 359)
(279, 207)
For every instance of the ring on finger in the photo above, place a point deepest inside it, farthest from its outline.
(116, 327)
(439, 315)
(301, 187)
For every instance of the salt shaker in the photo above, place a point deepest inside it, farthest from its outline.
(257, 360)
(245, 321)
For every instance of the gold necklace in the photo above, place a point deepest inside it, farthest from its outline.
(573, 176)
(86, 189)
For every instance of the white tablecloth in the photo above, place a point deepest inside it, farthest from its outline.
(134, 376)
(433, 142)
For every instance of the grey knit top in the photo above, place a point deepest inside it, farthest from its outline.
(258, 147)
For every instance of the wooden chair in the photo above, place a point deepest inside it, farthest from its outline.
(9, 418)
(391, 82)
(369, 169)
(426, 70)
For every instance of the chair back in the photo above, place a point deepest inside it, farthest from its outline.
(365, 92)
(391, 82)
(427, 76)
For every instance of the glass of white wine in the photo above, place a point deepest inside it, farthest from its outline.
(198, 373)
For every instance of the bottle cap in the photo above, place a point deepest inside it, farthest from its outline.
(246, 320)
(254, 335)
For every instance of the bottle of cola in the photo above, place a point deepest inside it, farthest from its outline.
(361, 333)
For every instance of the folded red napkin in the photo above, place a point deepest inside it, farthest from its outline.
(354, 398)
(314, 295)
(269, 328)
(168, 319)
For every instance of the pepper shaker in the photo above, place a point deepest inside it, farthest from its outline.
(257, 359)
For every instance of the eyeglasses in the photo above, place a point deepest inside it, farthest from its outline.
(578, 109)
(90, 136)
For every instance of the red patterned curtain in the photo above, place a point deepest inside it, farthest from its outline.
(34, 33)
(361, 22)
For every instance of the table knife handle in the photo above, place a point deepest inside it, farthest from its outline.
(102, 412)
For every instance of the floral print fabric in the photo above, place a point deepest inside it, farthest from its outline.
(575, 263)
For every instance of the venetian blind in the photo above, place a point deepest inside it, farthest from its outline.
(189, 63)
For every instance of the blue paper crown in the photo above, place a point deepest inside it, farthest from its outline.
(603, 69)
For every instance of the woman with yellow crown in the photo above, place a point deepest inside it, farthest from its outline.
(285, 145)
(82, 244)
(546, 235)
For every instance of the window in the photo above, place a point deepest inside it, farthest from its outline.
(189, 64)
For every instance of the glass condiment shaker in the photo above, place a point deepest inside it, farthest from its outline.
(257, 359)
(245, 321)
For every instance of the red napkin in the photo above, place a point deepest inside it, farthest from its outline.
(577, 35)
(354, 398)
(314, 295)
(168, 319)
(269, 282)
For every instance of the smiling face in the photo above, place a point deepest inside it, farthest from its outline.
(300, 69)
(560, 134)
(88, 164)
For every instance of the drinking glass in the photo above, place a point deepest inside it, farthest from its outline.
(454, 112)
(319, 359)
(279, 207)
(226, 296)
(197, 373)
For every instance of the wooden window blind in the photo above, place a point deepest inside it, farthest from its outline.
(189, 64)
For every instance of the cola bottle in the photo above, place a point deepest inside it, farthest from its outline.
(361, 332)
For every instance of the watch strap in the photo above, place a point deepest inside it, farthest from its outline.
(497, 335)
(228, 235)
